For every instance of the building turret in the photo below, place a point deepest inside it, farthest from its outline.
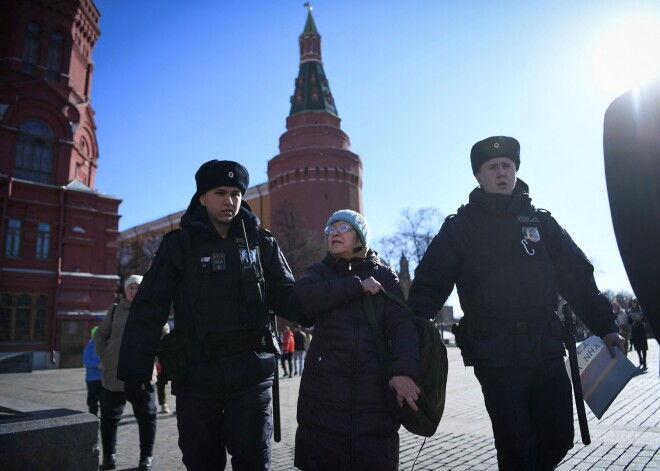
(315, 173)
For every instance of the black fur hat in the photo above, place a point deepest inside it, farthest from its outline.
(492, 147)
(215, 173)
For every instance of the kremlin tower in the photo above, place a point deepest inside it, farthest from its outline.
(315, 172)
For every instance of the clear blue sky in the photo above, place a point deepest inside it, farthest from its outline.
(416, 83)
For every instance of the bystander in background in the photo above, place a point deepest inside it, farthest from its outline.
(92, 375)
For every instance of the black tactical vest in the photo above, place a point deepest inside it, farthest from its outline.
(508, 272)
(225, 310)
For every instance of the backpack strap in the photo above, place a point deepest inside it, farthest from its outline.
(381, 353)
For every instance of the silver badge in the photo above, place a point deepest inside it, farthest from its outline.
(531, 233)
(496, 145)
(231, 174)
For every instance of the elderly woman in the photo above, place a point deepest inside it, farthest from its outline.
(345, 418)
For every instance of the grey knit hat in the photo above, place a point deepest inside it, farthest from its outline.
(356, 220)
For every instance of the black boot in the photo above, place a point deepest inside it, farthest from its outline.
(146, 463)
(109, 462)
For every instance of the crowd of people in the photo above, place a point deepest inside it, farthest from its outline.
(224, 277)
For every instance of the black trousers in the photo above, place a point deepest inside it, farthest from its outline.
(94, 396)
(240, 424)
(287, 358)
(112, 407)
(531, 411)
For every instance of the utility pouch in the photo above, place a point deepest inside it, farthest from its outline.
(172, 357)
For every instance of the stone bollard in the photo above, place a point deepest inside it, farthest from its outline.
(48, 439)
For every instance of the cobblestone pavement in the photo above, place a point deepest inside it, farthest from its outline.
(626, 438)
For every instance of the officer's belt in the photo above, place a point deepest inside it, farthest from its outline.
(545, 325)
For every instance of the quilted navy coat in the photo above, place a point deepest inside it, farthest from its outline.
(345, 421)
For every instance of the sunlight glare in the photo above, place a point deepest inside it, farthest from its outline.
(628, 56)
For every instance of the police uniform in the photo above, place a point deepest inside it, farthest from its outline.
(221, 290)
(509, 261)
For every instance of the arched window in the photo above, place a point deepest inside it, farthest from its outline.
(31, 47)
(34, 152)
(54, 61)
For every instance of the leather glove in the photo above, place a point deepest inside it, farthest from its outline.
(137, 390)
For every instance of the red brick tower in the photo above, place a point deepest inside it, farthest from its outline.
(58, 234)
(315, 172)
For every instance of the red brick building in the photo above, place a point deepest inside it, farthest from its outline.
(58, 249)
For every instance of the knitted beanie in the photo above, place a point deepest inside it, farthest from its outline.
(132, 279)
(356, 221)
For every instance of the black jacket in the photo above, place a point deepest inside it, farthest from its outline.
(164, 286)
(508, 261)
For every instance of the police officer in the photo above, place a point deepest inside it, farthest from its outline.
(509, 261)
(222, 273)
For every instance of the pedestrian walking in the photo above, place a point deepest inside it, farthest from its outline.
(299, 345)
(92, 374)
(638, 332)
(289, 348)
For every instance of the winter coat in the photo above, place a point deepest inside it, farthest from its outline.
(289, 342)
(91, 361)
(344, 417)
(638, 333)
(209, 374)
(300, 341)
(108, 340)
(508, 261)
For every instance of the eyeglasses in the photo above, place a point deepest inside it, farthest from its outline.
(341, 228)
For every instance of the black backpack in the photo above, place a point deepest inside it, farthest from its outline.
(432, 377)
(432, 380)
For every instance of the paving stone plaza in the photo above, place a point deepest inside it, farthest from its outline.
(626, 438)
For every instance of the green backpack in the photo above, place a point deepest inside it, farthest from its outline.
(432, 377)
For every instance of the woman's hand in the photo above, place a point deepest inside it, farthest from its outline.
(371, 286)
(406, 389)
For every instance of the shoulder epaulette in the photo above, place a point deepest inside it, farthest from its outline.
(544, 211)
(451, 216)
